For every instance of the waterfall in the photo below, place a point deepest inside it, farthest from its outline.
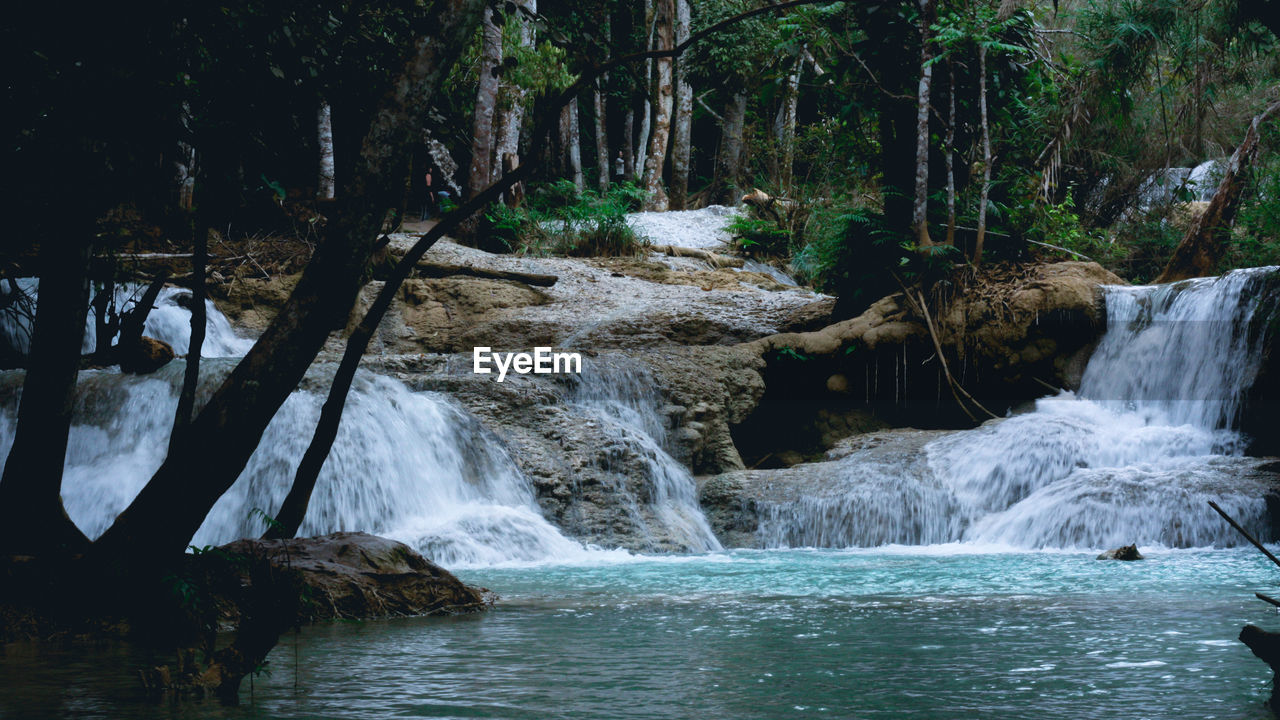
(412, 466)
(168, 321)
(1134, 457)
(625, 400)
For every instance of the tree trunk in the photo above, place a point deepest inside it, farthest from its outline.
(324, 135)
(951, 153)
(986, 156)
(664, 22)
(191, 375)
(602, 140)
(1198, 253)
(920, 206)
(628, 153)
(511, 116)
(729, 162)
(482, 140)
(163, 517)
(32, 517)
(571, 142)
(681, 132)
(784, 125)
(646, 115)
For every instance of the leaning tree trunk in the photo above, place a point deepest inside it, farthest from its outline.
(191, 375)
(163, 517)
(1198, 253)
(729, 161)
(682, 129)
(664, 39)
(986, 156)
(920, 206)
(32, 517)
(324, 136)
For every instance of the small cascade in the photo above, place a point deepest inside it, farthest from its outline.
(858, 501)
(1135, 457)
(169, 320)
(625, 400)
(412, 466)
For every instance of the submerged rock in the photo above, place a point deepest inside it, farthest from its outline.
(1128, 552)
(357, 576)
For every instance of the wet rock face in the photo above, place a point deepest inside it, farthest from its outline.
(357, 576)
(1008, 339)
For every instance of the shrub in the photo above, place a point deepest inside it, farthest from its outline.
(558, 220)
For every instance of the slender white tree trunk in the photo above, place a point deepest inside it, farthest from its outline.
(628, 151)
(324, 135)
(602, 140)
(986, 156)
(572, 139)
(653, 164)
(682, 130)
(920, 209)
(951, 152)
(646, 115)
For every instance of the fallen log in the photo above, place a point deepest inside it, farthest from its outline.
(715, 259)
(439, 270)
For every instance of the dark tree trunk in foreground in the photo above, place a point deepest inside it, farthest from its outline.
(32, 517)
(1198, 253)
(191, 376)
(164, 516)
(1266, 645)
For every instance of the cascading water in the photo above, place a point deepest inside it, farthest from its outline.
(624, 399)
(412, 466)
(168, 320)
(1134, 457)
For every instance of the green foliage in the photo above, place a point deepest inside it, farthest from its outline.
(558, 220)
(1059, 225)
(1256, 240)
(760, 237)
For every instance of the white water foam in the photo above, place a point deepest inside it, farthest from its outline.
(1135, 457)
(411, 466)
(625, 400)
(168, 321)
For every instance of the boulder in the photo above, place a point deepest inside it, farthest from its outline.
(1128, 552)
(145, 356)
(357, 576)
